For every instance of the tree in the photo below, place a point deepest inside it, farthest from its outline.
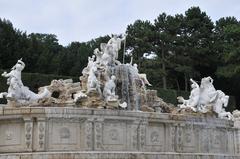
(227, 45)
(165, 33)
(194, 54)
(139, 40)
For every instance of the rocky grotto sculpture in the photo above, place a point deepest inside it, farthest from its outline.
(205, 98)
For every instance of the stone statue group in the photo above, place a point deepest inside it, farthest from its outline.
(205, 97)
(98, 83)
(97, 71)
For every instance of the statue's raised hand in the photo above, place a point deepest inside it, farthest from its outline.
(124, 36)
(4, 74)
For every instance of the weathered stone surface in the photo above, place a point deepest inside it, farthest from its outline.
(1, 110)
(116, 155)
(103, 133)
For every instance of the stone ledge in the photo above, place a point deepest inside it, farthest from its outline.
(73, 112)
(115, 155)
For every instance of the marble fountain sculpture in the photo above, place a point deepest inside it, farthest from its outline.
(110, 114)
(205, 98)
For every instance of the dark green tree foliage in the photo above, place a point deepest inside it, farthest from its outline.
(227, 48)
(227, 43)
(12, 43)
(139, 40)
(199, 30)
(194, 56)
(164, 41)
(41, 52)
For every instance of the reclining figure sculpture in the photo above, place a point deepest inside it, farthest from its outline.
(17, 92)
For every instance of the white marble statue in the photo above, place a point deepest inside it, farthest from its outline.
(208, 93)
(89, 65)
(206, 98)
(115, 42)
(236, 115)
(17, 91)
(79, 95)
(108, 56)
(193, 98)
(98, 55)
(109, 89)
(109, 51)
(220, 104)
(142, 76)
(92, 82)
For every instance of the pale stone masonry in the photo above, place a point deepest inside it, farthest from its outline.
(55, 132)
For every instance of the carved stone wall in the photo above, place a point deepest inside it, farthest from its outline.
(73, 129)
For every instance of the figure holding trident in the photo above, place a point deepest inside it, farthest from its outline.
(124, 48)
(115, 42)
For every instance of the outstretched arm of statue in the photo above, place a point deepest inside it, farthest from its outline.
(194, 82)
(5, 74)
(123, 37)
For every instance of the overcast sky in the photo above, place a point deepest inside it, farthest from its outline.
(83, 20)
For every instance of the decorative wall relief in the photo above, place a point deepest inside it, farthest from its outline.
(237, 141)
(64, 133)
(189, 135)
(155, 137)
(41, 135)
(89, 134)
(179, 138)
(134, 134)
(98, 135)
(142, 133)
(8, 135)
(28, 134)
(218, 141)
(113, 134)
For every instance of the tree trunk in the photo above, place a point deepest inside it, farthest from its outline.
(178, 86)
(186, 82)
(164, 70)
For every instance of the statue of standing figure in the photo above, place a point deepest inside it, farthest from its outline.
(17, 91)
(98, 55)
(87, 69)
(92, 82)
(115, 42)
(109, 89)
(108, 53)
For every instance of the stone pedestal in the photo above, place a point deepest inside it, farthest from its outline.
(64, 132)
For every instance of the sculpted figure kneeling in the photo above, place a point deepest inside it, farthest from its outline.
(193, 98)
